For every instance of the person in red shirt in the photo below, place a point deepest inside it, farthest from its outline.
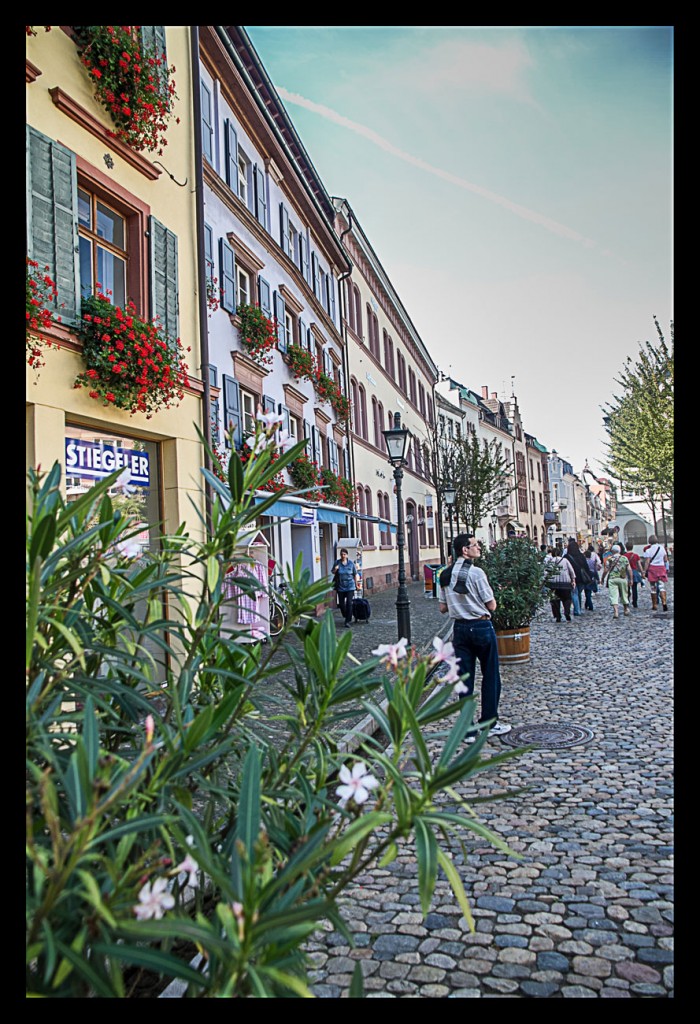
(634, 561)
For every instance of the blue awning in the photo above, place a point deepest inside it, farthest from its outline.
(284, 509)
(330, 515)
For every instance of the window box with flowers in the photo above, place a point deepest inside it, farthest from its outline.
(338, 489)
(41, 296)
(327, 389)
(301, 363)
(258, 334)
(213, 295)
(305, 474)
(132, 82)
(130, 363)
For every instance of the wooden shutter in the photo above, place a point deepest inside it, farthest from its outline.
(346, 463)
(264, 296)
(260, 197)
(269, 403)
(209, 252)
(307, 435)
(310, 340)
(304, 256)
(333, 455)
(231, 150)
(315, 275)
(153, 38)
(284, 413)
(214, 406)
(315, 445)
(330, 281)
(284, 230)
(164, 280)
(232, 412)
(52, 218)
(205, 103)
(228, 276)
(327, 363)
(341, 380)
(281, 329)
(302, 334)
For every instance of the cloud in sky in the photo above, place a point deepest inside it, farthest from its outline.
(459, 65)
(521, 211)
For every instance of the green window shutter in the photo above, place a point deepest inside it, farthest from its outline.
(52, 218)
(279, 316)
(153, 38)
(228, 276)
(232, 412)
(264, 296)
(231, 161)
(164, 281)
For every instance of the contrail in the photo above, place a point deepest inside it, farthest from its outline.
(454, 179)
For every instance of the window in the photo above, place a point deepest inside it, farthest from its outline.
(421, 526)
(288, 328)
(209, 252)
(244, 179)
(541, 509)
(249, 402)
(441, 425)
(361, 508)
(401, 363)
(388, 355)
(458, 429)
(260, 195)
(421, 400)
(355, 399)
(412, 386)
(285, 232)
(368, 509)
(350, 306)
(231, 156)
(243, 282)
(380, 421)
(539, 474)
(207, 123)
(376, 422)
(358, 311)
(363, 412)
(102, 246)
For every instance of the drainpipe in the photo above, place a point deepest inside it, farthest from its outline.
(201, 267)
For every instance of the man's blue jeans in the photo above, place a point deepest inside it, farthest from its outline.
(576, 592)
(475, 640)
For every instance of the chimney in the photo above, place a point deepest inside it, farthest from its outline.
(484, 391)
(494, 394)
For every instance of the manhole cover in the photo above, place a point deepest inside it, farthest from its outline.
(552, 736)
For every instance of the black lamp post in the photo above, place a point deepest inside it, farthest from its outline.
(449, 493)
(396, 438)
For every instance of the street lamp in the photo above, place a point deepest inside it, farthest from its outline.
(449, 493)
(494, 525)
(396, 438)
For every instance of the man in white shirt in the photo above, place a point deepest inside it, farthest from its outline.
(468, 598)
(656, 570)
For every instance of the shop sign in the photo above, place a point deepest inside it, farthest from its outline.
(307, 517)
(93, 459)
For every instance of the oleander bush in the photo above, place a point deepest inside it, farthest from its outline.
(168, 798)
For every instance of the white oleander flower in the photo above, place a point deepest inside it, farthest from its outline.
(154, 900)
(356, 784)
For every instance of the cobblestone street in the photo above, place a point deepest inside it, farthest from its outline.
(588, 910)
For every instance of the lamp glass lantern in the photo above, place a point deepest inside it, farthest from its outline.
(396, 438)
(449, 493)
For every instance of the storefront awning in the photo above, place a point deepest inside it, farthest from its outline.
(330, 515)
(282, 509)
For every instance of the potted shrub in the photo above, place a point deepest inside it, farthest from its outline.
(515, 571)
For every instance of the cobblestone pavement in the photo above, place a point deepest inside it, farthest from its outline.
(588, 910)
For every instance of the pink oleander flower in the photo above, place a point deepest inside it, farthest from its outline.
(392, 653)
(444, 650)
(271, 420)
(190, 866)
(453, 672)
(356, 784)
(285, 440)
(154, 900)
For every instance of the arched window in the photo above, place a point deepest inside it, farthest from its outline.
(351, 305)
(376, 422)
(362, 418)
(358, 311)
(354, 398)
(361, 510)
(417, 456)
(368, 509)
(421, 526)
(387, 509)
(388, 355)
(381, 443)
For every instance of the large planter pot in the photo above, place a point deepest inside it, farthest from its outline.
(513, 645)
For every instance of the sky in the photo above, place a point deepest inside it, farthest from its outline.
(516, 184)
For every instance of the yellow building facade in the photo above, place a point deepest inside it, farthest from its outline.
(96, 205)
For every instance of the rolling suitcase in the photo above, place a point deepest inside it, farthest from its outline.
(360, 609)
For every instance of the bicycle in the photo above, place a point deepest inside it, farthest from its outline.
(278, 610)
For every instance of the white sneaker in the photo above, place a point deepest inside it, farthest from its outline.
(499, 729)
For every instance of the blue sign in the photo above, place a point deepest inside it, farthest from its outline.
(306, 517)
(99, 459)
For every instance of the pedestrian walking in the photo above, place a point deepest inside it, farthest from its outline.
(344, 574)
(617, 576)
(635, 562)
(656, 571)
(583, 577)
(594, 567)
(561, 581)
(466, 595)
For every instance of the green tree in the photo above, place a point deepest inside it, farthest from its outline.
(479, 470)
(639, 422)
